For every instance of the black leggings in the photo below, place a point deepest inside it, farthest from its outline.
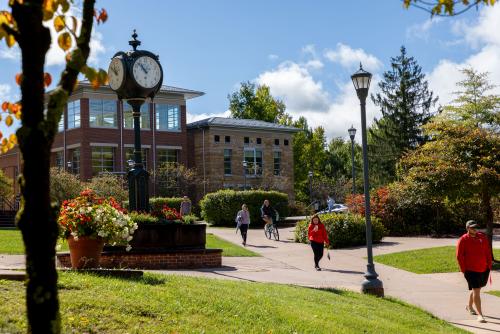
(317, 248)
(244, 230)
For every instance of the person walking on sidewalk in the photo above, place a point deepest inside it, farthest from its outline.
(319, 238)
(243, 220)
(185, 208)
(475, 260)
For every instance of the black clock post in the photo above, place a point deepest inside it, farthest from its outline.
(135, 76)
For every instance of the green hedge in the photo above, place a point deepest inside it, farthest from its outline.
(220, 208)
(344, 230)
(157, 203)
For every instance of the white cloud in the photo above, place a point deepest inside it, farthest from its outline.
(5, 90)
(350, 58)
(314, 64)
(196, 117)
(12, 53)
(481, 35)
(422, 30)
(273, 57)
(56, 56)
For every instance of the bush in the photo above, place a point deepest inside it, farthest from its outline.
(298, 209)
(157, 203)
(63, 185)
(189, 219)
(344, 230)
(220, 208)
(109, 185)
(143, 218)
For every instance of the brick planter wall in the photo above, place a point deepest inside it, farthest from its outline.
(175, 259)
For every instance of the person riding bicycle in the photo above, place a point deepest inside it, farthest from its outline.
(268, 213)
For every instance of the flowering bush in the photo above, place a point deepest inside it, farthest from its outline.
(92, 216)
(170, 213)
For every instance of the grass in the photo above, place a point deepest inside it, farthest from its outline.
(228, 248)
(177, 304)
(11, 243)
(425, 261)
(494, 293)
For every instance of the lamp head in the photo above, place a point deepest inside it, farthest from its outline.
(361, 80)
(352, 132)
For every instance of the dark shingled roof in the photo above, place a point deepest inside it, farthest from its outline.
(240, 123)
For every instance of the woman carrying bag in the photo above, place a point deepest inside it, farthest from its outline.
(242, 222)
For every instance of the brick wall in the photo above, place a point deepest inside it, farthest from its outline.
(179, 259)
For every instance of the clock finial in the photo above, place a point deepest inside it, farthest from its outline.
(135, 42)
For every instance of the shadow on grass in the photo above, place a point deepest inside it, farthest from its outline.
(121, 274)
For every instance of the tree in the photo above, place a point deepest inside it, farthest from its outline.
(6, 190)
(461, 161)
(63, 185)
(108, 185)
(36, 218)
(447, 7)
(405, 102)
(175, 180)
(256, 102)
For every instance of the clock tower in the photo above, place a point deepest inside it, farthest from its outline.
(135, 76)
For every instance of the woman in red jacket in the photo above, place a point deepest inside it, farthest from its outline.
(474, 258)
(319, 238)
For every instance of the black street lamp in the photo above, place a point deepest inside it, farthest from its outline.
(245, 165)
(135, 76)
(310, 174)
(352, 134)
(69, 164)
(371, 285)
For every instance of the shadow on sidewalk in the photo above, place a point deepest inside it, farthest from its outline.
(343, 271)
(476, 327)
(261, 246)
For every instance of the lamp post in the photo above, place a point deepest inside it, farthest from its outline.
(69, 164)
(371, 285)
(352, 134)
(310, 174)
(245, 165)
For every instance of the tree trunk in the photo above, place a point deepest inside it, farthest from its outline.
(35, 218)
(488, 217)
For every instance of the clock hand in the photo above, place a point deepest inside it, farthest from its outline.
(114, 70)
(143, 68)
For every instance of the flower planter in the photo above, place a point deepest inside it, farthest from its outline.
(85, 252)
(169, 236)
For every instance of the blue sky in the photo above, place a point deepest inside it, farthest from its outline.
(305, 51)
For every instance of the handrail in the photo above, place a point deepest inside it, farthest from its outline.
(10, 205)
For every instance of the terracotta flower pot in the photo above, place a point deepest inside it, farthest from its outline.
(86, 252)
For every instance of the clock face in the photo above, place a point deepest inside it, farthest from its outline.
(116, 73)
(147, 72)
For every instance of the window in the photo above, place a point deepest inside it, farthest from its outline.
(216, 138)
(253, 158)
(102, 113)
(227, 139)
(74, 114)
(227, 161)
(75, 161)
(259, 141)
(246, 140)
(59, 159)
(277, 163)
(167, 155)
(168, 117)
(276, 142)
(102, 159)
(285, 142)
(129, 155)
(60, 126)
(128, 119)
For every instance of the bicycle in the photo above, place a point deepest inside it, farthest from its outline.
(271, 230)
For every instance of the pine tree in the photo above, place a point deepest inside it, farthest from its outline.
(406, 104)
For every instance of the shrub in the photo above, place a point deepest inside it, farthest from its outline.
(143, 218)
(158, 203)
(63, 185)
(189, 219)
(344, 230)
(298, 209)
(109, 185)
(220, 208)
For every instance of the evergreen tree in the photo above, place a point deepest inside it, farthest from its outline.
(406, 104)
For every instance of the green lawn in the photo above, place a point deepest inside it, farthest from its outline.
(12, 243)
(494, 293)
(177, 304)
(425, 261)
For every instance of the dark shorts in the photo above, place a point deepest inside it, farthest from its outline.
(476, 279)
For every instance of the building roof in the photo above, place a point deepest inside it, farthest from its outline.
(187, 93)
(239, 124)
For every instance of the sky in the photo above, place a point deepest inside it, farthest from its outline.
(304, 51)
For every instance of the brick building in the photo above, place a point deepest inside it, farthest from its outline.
(234, 153)
(96, 135)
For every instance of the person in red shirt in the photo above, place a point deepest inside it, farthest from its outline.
(319, 238)
(475, 259)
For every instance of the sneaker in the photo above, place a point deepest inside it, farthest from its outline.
(318, 268)
(470, 310)
(480, 319)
